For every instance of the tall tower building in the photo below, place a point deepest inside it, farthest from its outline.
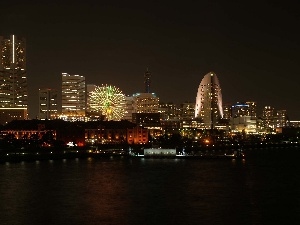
(268, 117)
(209, 101)
(147, 81)
(13, 87)
(48, 103)
(244, 109)
(73, 95)
(282, 118)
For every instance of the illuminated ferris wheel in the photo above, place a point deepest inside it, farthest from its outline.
(109, 101)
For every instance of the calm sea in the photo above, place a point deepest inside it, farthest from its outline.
(121, 190)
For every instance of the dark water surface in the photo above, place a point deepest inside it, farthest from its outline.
(151, 191)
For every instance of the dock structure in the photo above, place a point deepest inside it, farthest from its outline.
(159, 152)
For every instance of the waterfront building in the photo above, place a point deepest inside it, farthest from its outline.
(192, 123)
(170, 127)
(169, 117)
(48, 103)
(114, 132)
(244, 109)
(146, 119)
(151, 121)
(13, 88)
(9, 114)
(43, 133)
(128, 108)
(29, 130)
(137, 135)
(268, 117)
(209, 101)
(145, 103)
(143, 108)
(282, 118)
(252, 109)
(73, 97)
(244, 124)
(168, 111)
(227, 111)
(187, 110)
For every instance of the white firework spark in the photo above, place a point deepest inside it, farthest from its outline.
(108, 100)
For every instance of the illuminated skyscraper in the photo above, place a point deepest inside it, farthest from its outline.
(13, 87)
(268, 117)
(73, 95)
(48, 103)
(147, 81)
(282, 118)
(244, 109)
(209, 101)
(145, 103)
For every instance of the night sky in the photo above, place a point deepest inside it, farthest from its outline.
(254, 48)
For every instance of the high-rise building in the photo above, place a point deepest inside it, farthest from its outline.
(145, 103)
(145, 111)
(282, 118)
(128, 108)
(13, 88)
(48, 107)
(252, 109)
(187, 110)
(209, 101)
(268, 117)
(73, 96)
(244, 109)
(147, 81)
(227, 112)
(244, 117)
(168, 111)
(89, 89)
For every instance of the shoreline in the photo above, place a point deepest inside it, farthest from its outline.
(16, 157)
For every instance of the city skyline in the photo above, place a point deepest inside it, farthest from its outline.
(253, 50)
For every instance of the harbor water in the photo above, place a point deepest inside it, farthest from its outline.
(123, 190)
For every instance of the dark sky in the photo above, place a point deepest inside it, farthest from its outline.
(252, 47)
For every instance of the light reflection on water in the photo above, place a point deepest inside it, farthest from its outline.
(149, 191)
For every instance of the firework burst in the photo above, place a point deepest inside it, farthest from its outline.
(109, 101)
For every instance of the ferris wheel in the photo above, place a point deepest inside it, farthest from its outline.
(109, 101)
